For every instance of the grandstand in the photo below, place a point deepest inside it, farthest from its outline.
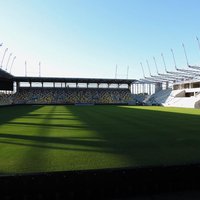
(47, 90)
(180, 88)
(71, 96)
(181, 94)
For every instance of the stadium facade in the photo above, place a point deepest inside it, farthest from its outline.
(180, 88)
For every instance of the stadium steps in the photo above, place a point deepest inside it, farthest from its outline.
(159, 97)
(185, 102)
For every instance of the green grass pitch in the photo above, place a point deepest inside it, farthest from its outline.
(57, 138)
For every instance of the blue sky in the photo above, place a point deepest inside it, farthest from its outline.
(87, 38)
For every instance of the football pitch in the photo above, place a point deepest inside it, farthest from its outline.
(61, 138)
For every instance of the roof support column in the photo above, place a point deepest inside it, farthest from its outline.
(149, 88)
(17, 86)
(167, 85)
(129, 86)
(136, 88)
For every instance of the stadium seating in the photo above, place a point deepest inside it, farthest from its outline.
(71, 96)
(140, 98)
(187, 102)
(158, 97)
(5, 99)
(83, 96)
(173, 98)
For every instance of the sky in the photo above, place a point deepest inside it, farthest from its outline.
(88, 38)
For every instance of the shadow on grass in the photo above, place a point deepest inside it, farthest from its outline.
(47, 147)
(48, 125)
(51, 118)
(9, 113)
(144, 136)
(40, 141)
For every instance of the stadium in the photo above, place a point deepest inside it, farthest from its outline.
(81, 133)
(105, 116)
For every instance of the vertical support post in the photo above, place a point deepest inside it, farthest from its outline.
(143, 88)
(167, 85)
(150, 88)
(17, 86)
(129, 86)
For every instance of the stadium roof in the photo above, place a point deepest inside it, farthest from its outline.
(5, 75)
(73, 80)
